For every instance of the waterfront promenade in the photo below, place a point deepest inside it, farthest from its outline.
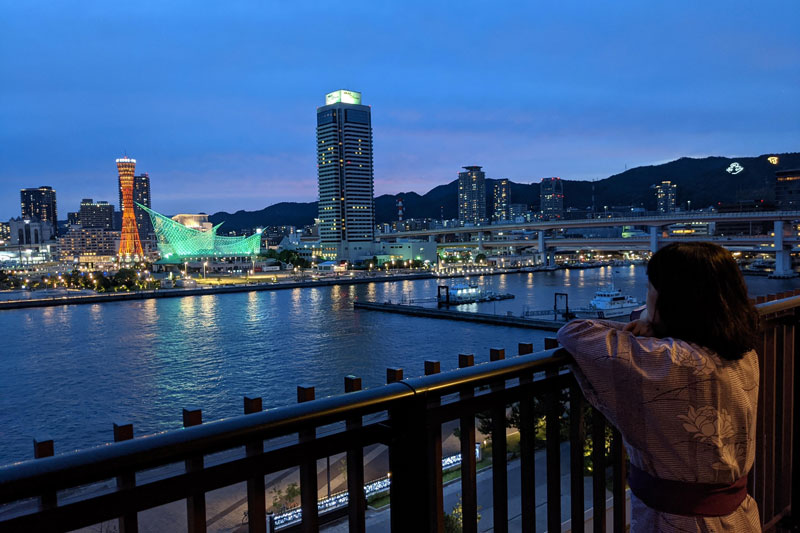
(201, 291)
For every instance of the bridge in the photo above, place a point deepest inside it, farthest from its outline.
(487, 236)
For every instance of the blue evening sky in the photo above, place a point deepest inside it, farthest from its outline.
(216, 100)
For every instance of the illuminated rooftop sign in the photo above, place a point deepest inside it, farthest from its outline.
(344, 97)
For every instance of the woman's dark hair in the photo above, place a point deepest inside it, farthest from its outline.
(702, 298)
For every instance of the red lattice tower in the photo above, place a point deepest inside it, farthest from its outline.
(129, 244)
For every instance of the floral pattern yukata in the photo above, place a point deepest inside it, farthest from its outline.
(685, 414)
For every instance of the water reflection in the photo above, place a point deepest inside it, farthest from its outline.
(143, 361)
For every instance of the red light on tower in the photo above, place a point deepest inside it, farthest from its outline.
(129, 244)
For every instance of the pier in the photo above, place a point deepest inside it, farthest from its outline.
(447, 314)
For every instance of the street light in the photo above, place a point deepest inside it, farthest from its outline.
(186, 269)
(205, 264)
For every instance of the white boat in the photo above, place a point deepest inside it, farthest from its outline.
(608, 303)
(466, 293)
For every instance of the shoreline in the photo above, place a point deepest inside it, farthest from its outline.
(198, 291)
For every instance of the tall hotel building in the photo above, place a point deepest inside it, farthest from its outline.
(665, 196)
(472, 196)
(39, 204)
(344, 161)
(501, 198)
(551, 198)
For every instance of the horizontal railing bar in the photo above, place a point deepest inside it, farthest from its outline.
(487, 399)
(485, 373)
(104, 462)
(99, 508)
(776, 306)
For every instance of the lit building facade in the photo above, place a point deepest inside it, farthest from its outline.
(551, 198)
(29, 232)
(178, 243)
(787, 190)
(130, 245)
(96, 214)
(345, 176)
(501, 201)
(472, 196)
(5, 232)
(666, 195)
(199, 221)
(39, 204)
(88, 245)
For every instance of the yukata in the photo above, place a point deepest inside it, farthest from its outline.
(685, 414)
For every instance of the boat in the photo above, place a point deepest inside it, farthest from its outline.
(608, 303)
(462, 292)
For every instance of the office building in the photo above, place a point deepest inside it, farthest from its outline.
(787, 190)
(472, 196)
(551, 198)
(96, 215)
(39, 204)
(666, 194)
(344, 162)
(5, 232)
(130, 246)
(501, 201)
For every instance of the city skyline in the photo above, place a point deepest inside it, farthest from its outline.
(579, 92)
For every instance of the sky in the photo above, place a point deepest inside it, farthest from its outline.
(217, 100)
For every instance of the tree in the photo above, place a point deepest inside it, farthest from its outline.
(480, 258)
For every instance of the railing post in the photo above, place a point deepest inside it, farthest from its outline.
(129, 522)
(795, 431)
(553, 452)
(309, 496)
(499, 451)
(525, 348)
(527, 448)
(410, 506)
(577, 436)
(356, 501)
(469, 491)
(196, 502)
(393, 375)
(598, 472)
(619, 475)
(256, 504)
(44, 447)
(434, 460)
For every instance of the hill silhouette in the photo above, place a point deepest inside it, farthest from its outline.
(701, 181)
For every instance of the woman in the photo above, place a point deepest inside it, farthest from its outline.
(681, 385)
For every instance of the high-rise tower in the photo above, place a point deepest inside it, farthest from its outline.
(40, 204)
(472, 196)
(551, 198)
(129, 244)
(344, 162)
(501, 200)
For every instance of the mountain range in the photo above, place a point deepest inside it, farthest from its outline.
(702, 181)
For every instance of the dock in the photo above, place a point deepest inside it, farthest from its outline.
(447, 314)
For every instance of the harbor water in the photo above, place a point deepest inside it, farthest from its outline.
(70, 372)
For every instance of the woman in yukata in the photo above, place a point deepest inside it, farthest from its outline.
(681, 385)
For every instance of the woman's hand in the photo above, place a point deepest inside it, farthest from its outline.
(640, 328)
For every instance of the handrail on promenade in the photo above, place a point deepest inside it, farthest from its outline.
(411, 415)
(28, 478)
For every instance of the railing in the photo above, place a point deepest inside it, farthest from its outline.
(74, 490)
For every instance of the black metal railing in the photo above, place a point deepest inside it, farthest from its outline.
(73, 490)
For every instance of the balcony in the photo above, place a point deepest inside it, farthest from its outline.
(118, 484)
